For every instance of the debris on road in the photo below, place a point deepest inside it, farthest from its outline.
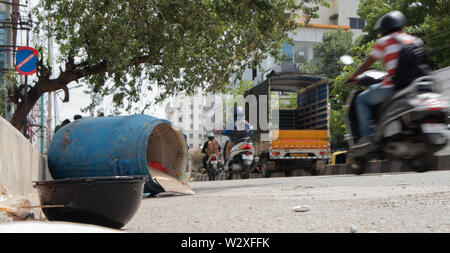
(302, 208)
(166, 181)
(14, 206)
(170, 183)
(353, 228)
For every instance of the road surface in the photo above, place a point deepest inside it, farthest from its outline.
(400, 202)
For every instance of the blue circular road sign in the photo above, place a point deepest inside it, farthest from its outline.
(26, 60)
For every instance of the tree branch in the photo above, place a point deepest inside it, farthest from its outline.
(73, 72)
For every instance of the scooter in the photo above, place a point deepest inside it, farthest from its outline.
(242, 159)
(410, 126)
(213, 166)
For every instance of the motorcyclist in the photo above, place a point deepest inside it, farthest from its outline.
(210, 147)
(236, 130)
(387, 48)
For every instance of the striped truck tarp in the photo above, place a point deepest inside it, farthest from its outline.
(300, 157)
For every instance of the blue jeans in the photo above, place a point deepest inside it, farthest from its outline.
(375, 94)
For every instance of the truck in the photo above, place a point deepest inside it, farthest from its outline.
(296, 134)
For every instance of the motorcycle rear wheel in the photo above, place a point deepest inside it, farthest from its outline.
(245, 174)
(229, 175)
(359, 165)
(424, 162)
(212, 175)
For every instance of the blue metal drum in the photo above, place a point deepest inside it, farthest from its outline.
(118, 146)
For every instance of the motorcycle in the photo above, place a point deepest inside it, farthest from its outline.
(213, 166)
(410, 126)
(242, 159)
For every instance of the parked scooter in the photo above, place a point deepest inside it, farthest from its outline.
(213, 166)
(242, 159)
(410, 126)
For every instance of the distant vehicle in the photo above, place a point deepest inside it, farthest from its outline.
(339, 157)
(242, 159)
(300, 134)
(213, 166)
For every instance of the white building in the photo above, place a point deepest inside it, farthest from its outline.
(342, 14)
(195, 116)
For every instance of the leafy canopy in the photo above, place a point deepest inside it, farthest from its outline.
(117, 46)
(428, 19)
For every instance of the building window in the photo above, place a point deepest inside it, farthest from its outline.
(191, 136)
(180, 119)
(286, 53)
(200, 136)
(357, 23)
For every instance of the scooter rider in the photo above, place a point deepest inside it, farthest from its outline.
(387, 49)
(216, 149)
(236, 130)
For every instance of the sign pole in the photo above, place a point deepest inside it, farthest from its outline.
(26, 96)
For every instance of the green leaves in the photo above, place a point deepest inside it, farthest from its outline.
(187, 45)
(427, 19)
(334, 44)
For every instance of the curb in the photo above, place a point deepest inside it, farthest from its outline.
(340, 169)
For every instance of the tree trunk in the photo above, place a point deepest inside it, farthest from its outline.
(18, 119)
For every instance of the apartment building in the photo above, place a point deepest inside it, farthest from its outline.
(342, 14)
(195, 116)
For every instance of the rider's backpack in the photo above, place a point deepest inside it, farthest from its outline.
(213, 148)
(412, 63)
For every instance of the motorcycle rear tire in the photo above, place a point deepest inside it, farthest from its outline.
(359, 165)
(229, 175)
(425, 162)
(212, 176)
(245, 174)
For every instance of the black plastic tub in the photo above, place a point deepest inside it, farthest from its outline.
(104, 201)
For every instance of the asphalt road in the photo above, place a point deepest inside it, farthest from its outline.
(402, 202)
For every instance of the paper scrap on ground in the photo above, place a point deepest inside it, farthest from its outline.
(302, 208)
(169, 183)
(12, 205)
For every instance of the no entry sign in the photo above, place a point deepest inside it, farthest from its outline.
(26, 59)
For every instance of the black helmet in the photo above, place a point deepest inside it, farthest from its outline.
(391, 22)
